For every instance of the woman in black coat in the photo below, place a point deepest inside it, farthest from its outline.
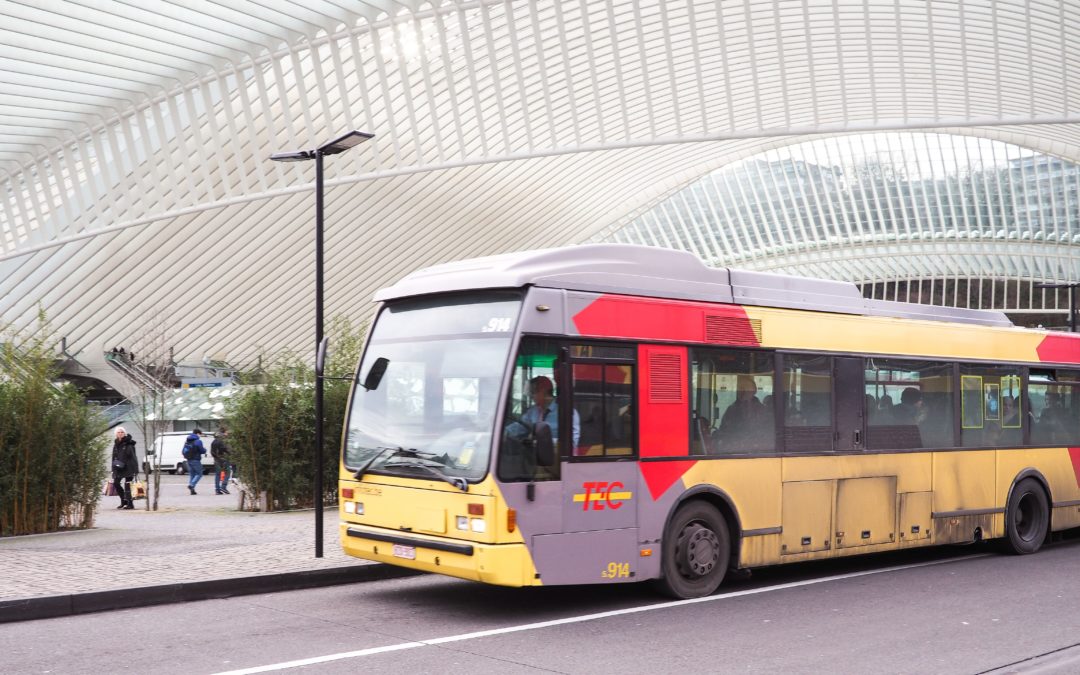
(125, 464)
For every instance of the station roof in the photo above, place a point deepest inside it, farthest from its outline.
(138, 203)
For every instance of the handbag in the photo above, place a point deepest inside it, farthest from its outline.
(138, 490)
(118, 465)
(109, 489)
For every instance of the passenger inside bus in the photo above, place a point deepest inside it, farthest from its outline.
(746, 424)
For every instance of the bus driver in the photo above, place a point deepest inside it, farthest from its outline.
(543, 409)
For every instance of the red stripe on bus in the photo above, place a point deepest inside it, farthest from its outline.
(1074, 455)
(1059, 349)
(660, 319)
(659, 476)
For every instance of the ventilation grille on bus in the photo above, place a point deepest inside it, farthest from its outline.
(730, 330)
(665, 378)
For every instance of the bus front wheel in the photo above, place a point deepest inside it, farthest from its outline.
(696, 551)
(1027, 516)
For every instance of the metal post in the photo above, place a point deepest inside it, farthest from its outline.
(318, 342)
(1072, 308)
(334, 147)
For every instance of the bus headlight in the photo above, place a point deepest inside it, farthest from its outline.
(463, 523)
(478, 525)
(355, 508)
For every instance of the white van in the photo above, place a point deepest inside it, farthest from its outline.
(169, 448)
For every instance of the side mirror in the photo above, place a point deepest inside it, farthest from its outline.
(375, 375)
(545, 446)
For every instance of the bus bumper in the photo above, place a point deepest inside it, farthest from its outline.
(499, 564)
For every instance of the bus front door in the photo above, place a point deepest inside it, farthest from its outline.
(599, 477)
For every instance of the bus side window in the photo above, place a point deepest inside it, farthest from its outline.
(807, 391)
(603, 409)
(991, 407)
(910, 404)
(1055, 407)
(732, 410)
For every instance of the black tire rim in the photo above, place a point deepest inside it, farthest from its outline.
(1029, 516)
(697, 551)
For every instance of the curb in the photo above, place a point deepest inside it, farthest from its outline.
(52, 606)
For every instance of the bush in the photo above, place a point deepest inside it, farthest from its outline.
(272, 426)
(54, 466)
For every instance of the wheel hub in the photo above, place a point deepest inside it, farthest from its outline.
(698, 550)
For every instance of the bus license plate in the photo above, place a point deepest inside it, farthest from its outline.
(402, 551)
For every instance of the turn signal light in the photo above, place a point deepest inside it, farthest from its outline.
(346, 493)
(476, 509)
(511, 520)
(646, 552)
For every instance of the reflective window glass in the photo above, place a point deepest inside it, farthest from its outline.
(603, 401)
(1055, 408)
(991, 407)
(909, 404)
(732, 402)
(807, 391)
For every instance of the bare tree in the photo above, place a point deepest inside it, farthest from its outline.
(152, 371)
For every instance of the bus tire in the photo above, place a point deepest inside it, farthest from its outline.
(1027, 517)
(696, 551)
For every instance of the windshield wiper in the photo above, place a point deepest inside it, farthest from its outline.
(456, 481)
(398, 450)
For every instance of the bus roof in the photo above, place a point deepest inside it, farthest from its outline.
(625, 269)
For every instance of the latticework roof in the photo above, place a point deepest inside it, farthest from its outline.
(134, 137)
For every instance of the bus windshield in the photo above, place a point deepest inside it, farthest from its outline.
(434, 406)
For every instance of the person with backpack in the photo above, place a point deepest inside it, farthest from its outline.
(193, 453)
(220, 452)
(125, 464)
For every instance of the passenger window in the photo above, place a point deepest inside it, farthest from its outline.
(807, 391)
(1055, 407)
(990, 407)
(604, 411)
(909, 404)
(732, 402)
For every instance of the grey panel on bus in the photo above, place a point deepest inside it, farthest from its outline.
(602, 268)
(663, 273)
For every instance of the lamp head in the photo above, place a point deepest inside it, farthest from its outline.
(295, 156)
(344, 142)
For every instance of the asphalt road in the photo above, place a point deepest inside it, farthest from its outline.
(950, 610)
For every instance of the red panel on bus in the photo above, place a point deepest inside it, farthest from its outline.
(664, 414)
(1059, 349)
(659, 476)
(659, 319)
(1074, 455)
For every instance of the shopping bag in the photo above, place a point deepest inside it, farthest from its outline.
(110, 489)
(138, 490)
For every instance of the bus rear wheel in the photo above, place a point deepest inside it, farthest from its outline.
(1027, 517)
(696, 551)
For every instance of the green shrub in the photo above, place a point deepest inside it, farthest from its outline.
(54, 466)
(272, 426)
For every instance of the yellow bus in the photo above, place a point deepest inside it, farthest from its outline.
(614, 413)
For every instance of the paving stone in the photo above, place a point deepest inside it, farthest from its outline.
(190, 538)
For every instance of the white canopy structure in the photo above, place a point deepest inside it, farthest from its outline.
(136, 186)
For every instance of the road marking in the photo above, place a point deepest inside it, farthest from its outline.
(584, 617)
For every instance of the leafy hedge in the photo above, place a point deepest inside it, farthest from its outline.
(272, 426)
(52, 443)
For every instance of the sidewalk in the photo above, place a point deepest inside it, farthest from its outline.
(192, 548)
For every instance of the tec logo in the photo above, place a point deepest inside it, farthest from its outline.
(602, 495)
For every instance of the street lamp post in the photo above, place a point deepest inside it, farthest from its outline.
(1072, 300)
(334, 147)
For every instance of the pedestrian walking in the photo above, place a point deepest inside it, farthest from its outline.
(125, 464)
(219, 450)
(194, 450)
